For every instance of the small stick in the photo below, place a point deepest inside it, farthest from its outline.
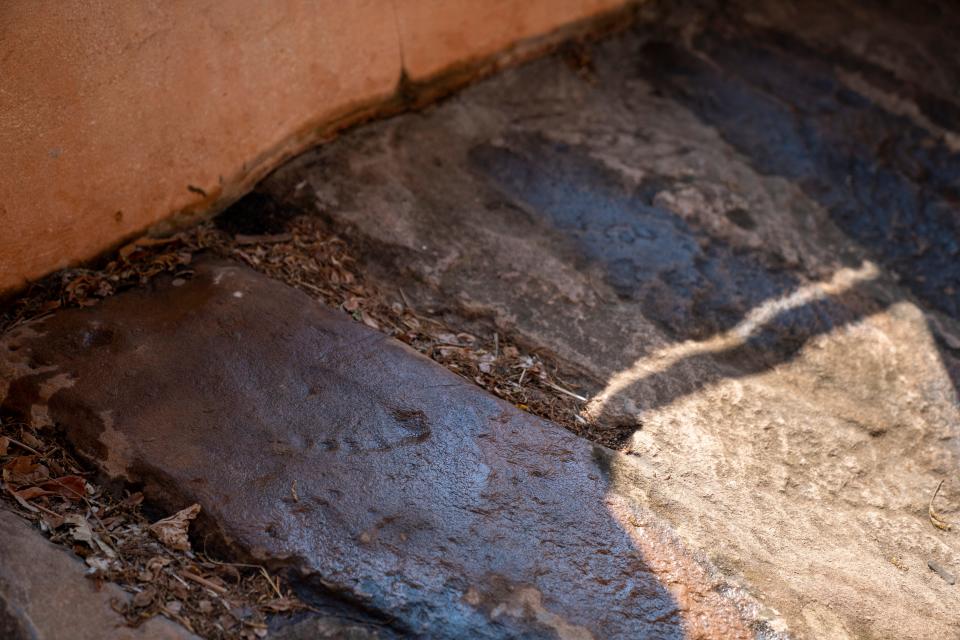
(270, 580)
(20, 444)
(203, 582)
(565, 391)
(935, 518)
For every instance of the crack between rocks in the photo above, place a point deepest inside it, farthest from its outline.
(400, 52)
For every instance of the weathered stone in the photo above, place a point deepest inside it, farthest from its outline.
(742, 226)
(388, 483)
(45, 596)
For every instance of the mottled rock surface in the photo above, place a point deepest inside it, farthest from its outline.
(741, 223)
(45, 596)
(396, 493)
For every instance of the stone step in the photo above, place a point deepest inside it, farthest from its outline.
(392, 490)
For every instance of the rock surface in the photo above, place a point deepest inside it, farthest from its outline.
(741, 224)
(45, 596)
(396, 492)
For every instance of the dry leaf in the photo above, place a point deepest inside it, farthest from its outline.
(172, 531)
(145, 598)
(98, 565)
(368, 320)
(31, 441)
(52, 521)
(23, 503)
(81, 531)
(24, 470)
(4, 445)
(132, 500)
(69, 487)
(32, 492)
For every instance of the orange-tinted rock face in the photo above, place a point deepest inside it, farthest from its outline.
(439, 35)
(115, 115)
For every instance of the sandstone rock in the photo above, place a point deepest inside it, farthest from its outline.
(45, 596)
(394, 490)
(741, 226)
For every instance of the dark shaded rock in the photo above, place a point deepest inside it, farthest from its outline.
(320, 627)
(392, 488)
(941, 571)
(45, 596)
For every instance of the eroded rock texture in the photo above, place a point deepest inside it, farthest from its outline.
(398, 495)
(742, 224)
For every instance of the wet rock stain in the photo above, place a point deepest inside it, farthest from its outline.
(890, 185)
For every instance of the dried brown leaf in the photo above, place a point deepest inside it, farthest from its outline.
(80, 528)
(132, 500)
(52, 521)
(25, 470)
(30, 493)
(145, 598)
(173, 531)
(69, 487)
(32, 441)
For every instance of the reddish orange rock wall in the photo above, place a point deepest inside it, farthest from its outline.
(115, 115)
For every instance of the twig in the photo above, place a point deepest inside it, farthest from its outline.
(266, 575)
(564, 391)
(203, 582)
(20, 444)
(935, 518)
(245, 565)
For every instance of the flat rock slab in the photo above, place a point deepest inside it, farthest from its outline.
(45, 596)
(740, 222)
(392, 487)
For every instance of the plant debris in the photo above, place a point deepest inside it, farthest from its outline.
(172, 531)
(935, 518)
(154, 563)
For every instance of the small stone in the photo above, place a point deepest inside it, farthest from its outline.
(941, 571)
